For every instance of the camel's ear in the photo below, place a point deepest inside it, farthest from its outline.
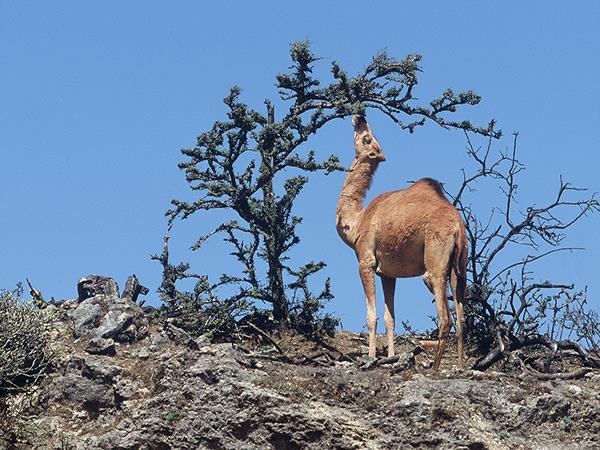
(360, 123)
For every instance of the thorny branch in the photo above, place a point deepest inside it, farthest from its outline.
(508, 309)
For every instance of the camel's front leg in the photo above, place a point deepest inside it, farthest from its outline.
(367, 276)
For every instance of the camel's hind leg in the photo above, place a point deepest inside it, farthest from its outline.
(429, 344)
(441, 303)
(437, 259)
(458, 286)
(389, 286)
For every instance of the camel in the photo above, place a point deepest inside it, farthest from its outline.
(400, 234)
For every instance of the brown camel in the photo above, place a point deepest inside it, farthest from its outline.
(406, 233)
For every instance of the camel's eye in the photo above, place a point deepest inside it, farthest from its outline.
(367, 140)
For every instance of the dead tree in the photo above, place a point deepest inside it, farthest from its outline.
(133, 289)
(36, 295)
(511, 308)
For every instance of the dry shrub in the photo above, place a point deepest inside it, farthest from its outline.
(27, 351)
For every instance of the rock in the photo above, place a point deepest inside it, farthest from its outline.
(202, 340)
(86, 317)
(180, 336)
(406, 361)
(125, 388)
(95, 367)
(133, 289)
(91, 395)
(143, 353)
(209, 376)
(122, 322)
(68, 304)
(574, 390)
(109, 318)
(216, 397)
(101, 346)
(159, 341)
(87, 383)
(93, 285)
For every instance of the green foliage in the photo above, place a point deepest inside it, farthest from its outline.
(305, 310)
(27, 351)
(26, 344)
(341, 383)
(172, 415)
(255, 167)
(200, 311)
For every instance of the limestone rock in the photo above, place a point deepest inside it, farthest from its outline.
(101, 346)
(109, 318)
(93, 285)
(162, 393)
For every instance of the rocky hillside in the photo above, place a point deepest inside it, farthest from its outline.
(127, 383)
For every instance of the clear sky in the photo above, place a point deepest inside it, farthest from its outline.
(97, 99)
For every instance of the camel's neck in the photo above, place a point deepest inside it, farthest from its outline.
(349, 207)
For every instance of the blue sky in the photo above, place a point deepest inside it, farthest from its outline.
(97, 99)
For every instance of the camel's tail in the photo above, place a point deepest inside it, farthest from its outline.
(458, 284)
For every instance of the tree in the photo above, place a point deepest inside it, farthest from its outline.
(509, 307)
(238, 163)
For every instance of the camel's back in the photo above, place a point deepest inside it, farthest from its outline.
(422, 198)
(411, 213)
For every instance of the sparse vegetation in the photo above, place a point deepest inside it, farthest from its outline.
(341, 383)
(510, 305)
(27, 351)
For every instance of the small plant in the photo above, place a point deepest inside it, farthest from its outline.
(172, 415)
(65, 441)
(341, 384)
(287, 388)
(567, 423)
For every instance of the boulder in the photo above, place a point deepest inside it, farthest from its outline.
(101, 346)
(133, 289)
(89, 384)
(180, 336)
(93, 285)
(86, 317)
(109, 317)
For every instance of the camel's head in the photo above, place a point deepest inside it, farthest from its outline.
(366, 146)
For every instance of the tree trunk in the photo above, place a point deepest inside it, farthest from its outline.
(272, 238)
(276, 287)
(133, 289)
